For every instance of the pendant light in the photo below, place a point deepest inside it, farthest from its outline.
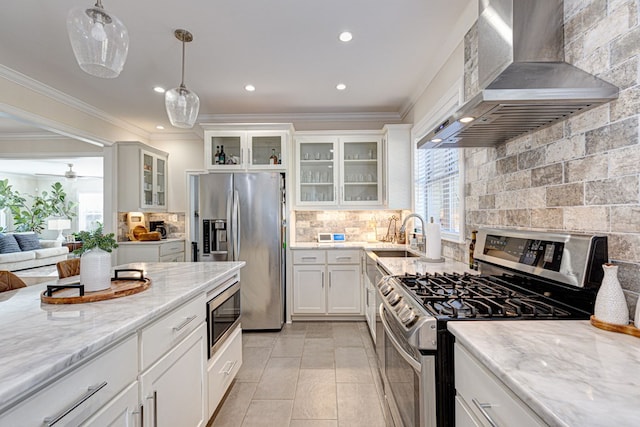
(181, 103)
(100, 41)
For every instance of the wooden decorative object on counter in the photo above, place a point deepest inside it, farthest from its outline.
(120, 287)
(629, 329)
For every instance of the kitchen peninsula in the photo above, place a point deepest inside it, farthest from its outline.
(46, 345)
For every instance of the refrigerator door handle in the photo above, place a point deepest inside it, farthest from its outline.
(236, 221)
(232, 227)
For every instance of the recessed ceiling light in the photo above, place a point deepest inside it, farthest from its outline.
(159, 127)
(436, 140)
(341, 86)
(159, 89)
(249, 88)
(345, 36)
(467, 119)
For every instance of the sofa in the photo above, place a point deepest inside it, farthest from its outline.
(19, 251)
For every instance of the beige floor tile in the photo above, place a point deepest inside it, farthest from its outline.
(268, 413)
(318, 353)
(235, 405)
(295, 329)
(352, 365)
(258, 339)
(279, 379)
(358, 406)
(319, 330)
(315, 395)
(288, 346)
(253, 363)
(347, 335)
(313, 423)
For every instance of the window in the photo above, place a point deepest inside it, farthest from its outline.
(89, 210)
(438, 189)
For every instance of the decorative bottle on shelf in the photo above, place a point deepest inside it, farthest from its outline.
(472, 246)
(279, 159)
(611, 305)
(222, 157)
(273, 159)
(216, 156)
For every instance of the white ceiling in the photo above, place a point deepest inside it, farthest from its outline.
(288, 49)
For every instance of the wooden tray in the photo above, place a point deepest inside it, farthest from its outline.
(120, 287)
(628, 329)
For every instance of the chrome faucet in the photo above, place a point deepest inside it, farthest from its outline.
(424, 236)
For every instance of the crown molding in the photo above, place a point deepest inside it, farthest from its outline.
(298, 117)
(68, 100)
(30, 136)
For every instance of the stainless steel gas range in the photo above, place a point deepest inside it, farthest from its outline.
(525, 275)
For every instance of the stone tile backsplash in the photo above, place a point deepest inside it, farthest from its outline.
(358, 226)
(581, 175)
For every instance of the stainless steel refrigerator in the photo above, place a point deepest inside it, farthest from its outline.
(240, 217)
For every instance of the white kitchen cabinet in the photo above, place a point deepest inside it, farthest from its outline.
(246, 147)
(70, 400)
(142, 178)
(339, 169)
(482, 400)
(327, 282)
(173, 389)
(123, 410)
(223, 367)
(170, 250)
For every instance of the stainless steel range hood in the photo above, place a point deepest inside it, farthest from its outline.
(524, 82)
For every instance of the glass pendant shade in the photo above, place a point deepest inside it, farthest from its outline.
(182, 107)
(182, 104)
(100, 41)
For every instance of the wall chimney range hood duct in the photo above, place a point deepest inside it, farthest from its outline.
(524, 82)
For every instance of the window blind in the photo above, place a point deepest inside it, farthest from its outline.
(438, 188)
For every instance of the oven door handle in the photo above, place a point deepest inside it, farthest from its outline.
(406, 356)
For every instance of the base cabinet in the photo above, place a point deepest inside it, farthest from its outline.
(223, 367)
(122, 411)
(327, 282)
(155, 251)
(173, 390)
(482, 400)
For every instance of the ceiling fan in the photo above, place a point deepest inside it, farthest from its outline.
(70, 175)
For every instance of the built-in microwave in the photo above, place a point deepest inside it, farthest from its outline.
(223, 315)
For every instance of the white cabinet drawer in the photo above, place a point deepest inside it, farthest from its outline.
(80, 393)
(343, 257)
(165, 333)
(176, 257)
(312, 256)
(483, 392)
(223, 368)
(167, 248)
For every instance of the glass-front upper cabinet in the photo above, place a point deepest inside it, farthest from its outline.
(246, 149)
(361, 170)
(316, 171)
(154, 180)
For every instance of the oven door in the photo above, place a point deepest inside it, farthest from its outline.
(409, 380)
(223, 314)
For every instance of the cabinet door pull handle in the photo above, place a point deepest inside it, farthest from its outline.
(230, 368)
(185, 323)
(309, 257)
(154, 397)
(322, 279)
(482, 407)
(139, 420)
(338, 258)
(329, 279)
(249, 159)
(50, 421)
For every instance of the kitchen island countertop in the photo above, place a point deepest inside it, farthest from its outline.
(568, 372)
(41, 341)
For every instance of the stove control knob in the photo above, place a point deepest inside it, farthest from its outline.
(385, 289)
(403, 306)
(394, 298)
(408, 317)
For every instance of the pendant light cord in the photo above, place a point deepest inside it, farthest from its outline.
(182, 81)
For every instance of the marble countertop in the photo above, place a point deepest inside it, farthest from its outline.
(343, 245)
(39, 341)
(568, 372)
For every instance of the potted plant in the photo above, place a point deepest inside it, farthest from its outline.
(95, 239)
(95, 260)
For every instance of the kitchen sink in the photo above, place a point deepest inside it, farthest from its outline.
(394, 253)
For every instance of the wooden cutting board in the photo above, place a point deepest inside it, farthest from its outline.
(120, 287)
